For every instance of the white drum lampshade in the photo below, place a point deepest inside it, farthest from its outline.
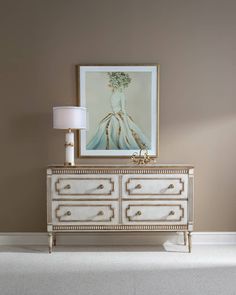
(69, 117)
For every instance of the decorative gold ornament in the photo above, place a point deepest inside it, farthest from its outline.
(141, 158)
(69, 144)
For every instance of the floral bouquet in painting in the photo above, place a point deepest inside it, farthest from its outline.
(119, 80)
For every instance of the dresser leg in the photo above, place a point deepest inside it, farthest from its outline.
(50, 242)
(54, 240)
(185, 238)
(189, 242)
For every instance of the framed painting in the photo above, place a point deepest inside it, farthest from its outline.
(123, 109)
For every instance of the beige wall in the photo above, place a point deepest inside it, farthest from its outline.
(193, 40)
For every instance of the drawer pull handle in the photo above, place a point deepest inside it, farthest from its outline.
(101, 186)
(138, 186)
(138, 213)
(67, 186)
(100, 213)
(68, 213)
(171, 186)
(172, 213)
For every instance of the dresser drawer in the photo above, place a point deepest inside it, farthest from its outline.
(154, 186)
(158, 212)
(85, 186)
(85, 212)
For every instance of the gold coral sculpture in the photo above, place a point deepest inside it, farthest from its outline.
(141, 158)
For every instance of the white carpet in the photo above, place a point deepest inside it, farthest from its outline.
(112, 271)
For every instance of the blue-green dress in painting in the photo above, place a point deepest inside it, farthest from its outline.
(118, 131)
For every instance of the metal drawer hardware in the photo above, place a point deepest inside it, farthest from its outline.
(68, 213)
(171, 186)
(67, 186)
(172, 212)
(138, 186)
(101, 186)
(138, 213)
(100, 213)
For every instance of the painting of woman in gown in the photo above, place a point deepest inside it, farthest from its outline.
(118, 130)
(122, 105)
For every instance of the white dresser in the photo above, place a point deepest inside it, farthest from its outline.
(120, 199)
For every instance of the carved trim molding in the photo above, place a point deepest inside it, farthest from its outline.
(120, 227)
(58, 190)
(120, 171)
(130, 193)
(84, 205)
(154, 205)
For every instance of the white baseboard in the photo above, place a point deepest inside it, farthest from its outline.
(214, 238)
(117, 239)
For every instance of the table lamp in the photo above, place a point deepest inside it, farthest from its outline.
(69, 118)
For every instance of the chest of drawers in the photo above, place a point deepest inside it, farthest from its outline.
(119, 199)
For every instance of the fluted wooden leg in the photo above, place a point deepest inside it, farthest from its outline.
(185, 238)
(189, 242)
(54, 240)
(50, 242)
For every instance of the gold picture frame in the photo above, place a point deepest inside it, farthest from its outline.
(90, 79)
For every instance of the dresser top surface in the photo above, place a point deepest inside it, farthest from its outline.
(123, 166)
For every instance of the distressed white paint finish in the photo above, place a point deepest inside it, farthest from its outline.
(84, 212)
(85, 186)
(155, 186)
(133, 198)
(158, 212)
